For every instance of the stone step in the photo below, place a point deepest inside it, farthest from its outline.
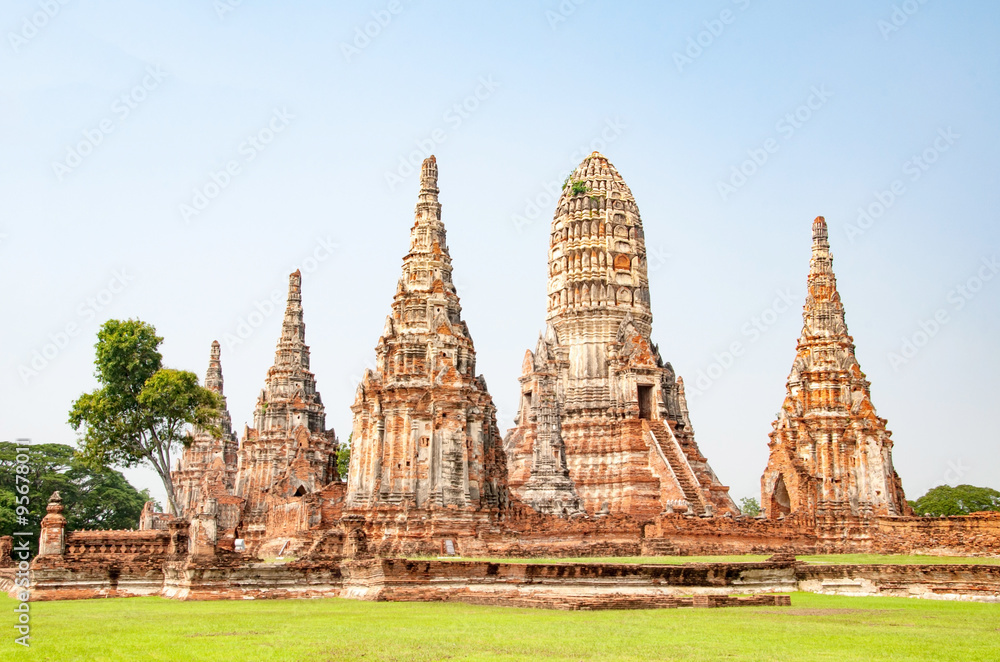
(679, 464)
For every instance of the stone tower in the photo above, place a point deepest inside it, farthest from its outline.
(425, 432)
(207, 467)
(830, 453)
(288, 451)
(603, 423)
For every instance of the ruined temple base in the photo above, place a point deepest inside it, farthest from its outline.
(364, 557)
(544, 585)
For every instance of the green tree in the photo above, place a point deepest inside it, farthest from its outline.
(749, 506)
(142, 411)
(93, 498)
(958, 500)
(344, 457)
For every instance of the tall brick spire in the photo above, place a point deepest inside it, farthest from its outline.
(288, 451)
(425, 430)
(289, 397)
(824, 312)
(292, 354)
(428, 260)
(214, 382)
(603, 425)
(207, 466)
(830, 453)
(597, 256)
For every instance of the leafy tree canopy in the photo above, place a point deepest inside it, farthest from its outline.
(958, 500)
(142, 411)
(749, 506)
(344, 458)
(93, 498)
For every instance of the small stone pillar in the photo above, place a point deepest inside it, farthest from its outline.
(178, 547)
(204, 530)
(356, 544)
(53, 538)
(148, 516)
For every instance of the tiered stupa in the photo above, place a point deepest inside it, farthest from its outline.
(207, 467)
(425, 432)
(288, 451)
(603, 423)
(830, 453)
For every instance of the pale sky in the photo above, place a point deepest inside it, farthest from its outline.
(176, 161)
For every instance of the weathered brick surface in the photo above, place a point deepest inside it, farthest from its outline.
(208, 464)
(288, 452)
(603, 425)
(830, 453)
(425, 432)
(951, 581)
(975, 534)
(566, 586)
(187, 580)
(723, 535)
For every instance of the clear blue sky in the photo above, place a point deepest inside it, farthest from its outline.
(113, 114)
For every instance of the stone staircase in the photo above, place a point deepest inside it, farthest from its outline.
(662, 437)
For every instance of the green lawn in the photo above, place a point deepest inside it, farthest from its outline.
(815, 627)
(677, 560)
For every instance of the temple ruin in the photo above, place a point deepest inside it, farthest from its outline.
(425, 431)
(288, 451)
(208, 465)
(603, 425)
(602, 461)
(830, 453)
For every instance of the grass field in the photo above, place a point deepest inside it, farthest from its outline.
(822, 558)
(814, 628)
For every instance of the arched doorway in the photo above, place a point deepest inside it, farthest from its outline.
(781, 503)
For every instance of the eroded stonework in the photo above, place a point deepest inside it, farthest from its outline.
(425, 432)
(288, 451)
(207, 467)
(830, 453)
(603, 425)
(603, 434)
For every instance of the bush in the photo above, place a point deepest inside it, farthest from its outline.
(958, 500)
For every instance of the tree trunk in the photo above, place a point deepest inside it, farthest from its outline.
(171, 497)
(161, 463)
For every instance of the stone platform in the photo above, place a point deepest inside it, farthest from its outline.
(544, 585)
